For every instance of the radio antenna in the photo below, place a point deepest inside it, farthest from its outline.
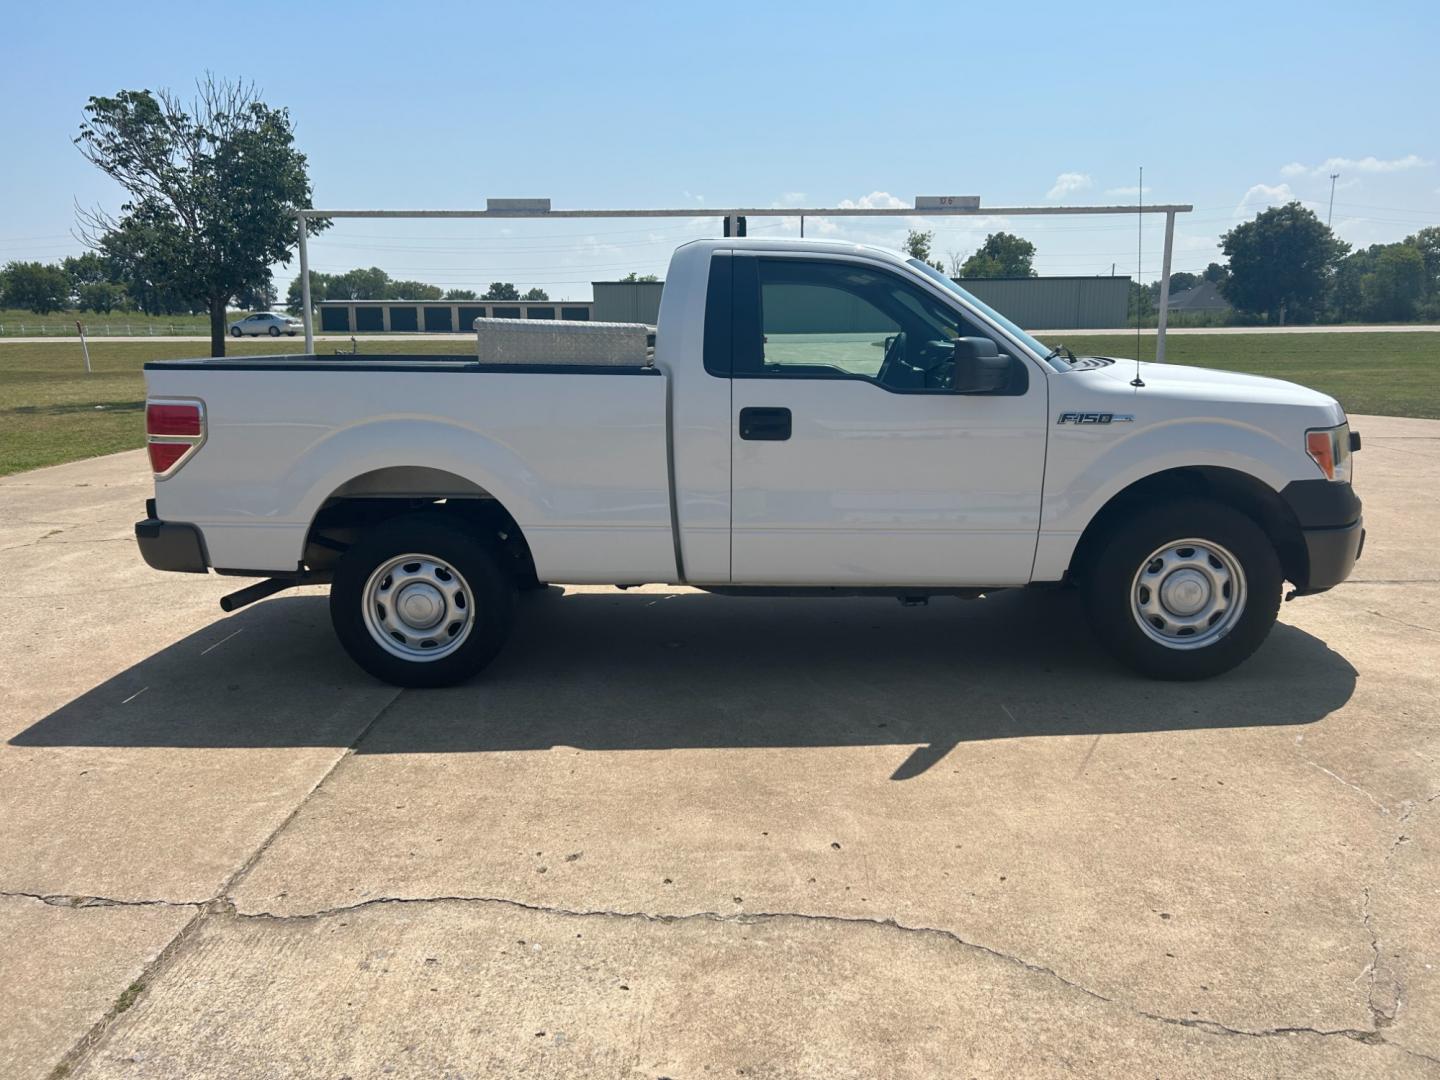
(1138, 382)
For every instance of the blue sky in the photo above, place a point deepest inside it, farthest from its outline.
(1228, 107)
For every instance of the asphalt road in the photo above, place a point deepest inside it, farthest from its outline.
(676, 835)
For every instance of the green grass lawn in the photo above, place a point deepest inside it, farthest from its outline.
(1388, 374)
(51, 411)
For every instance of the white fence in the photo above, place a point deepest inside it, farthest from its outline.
(103, 329)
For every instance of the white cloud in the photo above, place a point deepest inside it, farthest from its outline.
(876, 200)
(1369, 164)
(1262, 195)
(792, 198)
(1067, 183)
(1131, 190)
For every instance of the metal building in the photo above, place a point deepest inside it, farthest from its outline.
(1057, 303)
(439, 316)
(627, 301)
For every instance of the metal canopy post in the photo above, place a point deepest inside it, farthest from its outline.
(305, 289)
(1164, 288)
(512, 212)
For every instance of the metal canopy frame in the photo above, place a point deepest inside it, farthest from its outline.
(1169, 210)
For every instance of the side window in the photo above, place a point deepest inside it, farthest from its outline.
(832, 319)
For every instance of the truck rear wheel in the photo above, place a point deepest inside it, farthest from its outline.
(1185, 590)
(419, 602)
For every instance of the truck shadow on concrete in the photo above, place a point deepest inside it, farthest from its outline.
(627, 671)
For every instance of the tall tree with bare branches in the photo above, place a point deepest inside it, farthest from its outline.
(213, 186)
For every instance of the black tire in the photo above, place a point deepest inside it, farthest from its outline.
(234, 331)
(274, 331)
(491, 591)
(1109, 586)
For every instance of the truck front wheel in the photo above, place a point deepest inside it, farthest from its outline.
(1185, 590)
(419, 602)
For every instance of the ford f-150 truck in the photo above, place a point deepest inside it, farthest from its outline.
(814, 418)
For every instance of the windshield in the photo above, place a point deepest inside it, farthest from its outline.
(980, 305)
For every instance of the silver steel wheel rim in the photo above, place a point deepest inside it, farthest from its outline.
(418, 607)
(1188, 594)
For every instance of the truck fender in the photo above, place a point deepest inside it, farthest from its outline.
(1074, 497)
(430, 444)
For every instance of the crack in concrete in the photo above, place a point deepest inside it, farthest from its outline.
(42, 542)
(1392, 581)
(1402, 622)
(70, 900)
(1336, 776)
(223, 905)
(1213, 1027)
(1384, 1014)
(219, 904)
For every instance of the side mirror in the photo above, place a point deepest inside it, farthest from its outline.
(979, 366)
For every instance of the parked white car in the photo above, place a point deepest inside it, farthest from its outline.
(817, 419)
(271, 323)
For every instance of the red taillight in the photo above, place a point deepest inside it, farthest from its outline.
(172, 419)
(173, 430)
(164, 455)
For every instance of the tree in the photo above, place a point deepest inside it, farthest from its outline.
(1427, 242)
(536, 294)
(1395, 289)
(212, 186)
(319, 290)
(1282, 261)
(459, 294)
(413, 290)
(371, 284)
(260, 298)
(1180, 281)
(101, 297)
(1002, 255)
(1215, 273)
(1142, 303)
(501, 290)
(917, 246)
(36, 286)
(632, 276)
(86, 269)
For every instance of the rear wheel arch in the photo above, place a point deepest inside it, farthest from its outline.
(1229, 487)
(374, 498)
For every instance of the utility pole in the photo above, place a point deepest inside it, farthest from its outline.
(1333, 177)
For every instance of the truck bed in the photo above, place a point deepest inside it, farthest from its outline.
(576, 453)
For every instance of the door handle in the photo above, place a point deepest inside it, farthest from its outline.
(765, 424)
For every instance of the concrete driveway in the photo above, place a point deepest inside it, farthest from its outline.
(676, 835)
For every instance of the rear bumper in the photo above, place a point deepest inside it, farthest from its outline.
(169, 545)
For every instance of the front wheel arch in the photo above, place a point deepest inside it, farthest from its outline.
(1228, 487)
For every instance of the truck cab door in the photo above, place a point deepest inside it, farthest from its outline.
(856, 458)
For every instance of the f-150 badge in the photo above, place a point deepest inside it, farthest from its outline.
(1094, 418)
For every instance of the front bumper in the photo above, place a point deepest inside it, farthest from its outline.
(1333, 530)
(1332, 555)
(170, 545)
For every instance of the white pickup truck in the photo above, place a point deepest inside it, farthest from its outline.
(816, 418)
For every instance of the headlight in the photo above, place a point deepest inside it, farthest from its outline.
(1330, 449)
